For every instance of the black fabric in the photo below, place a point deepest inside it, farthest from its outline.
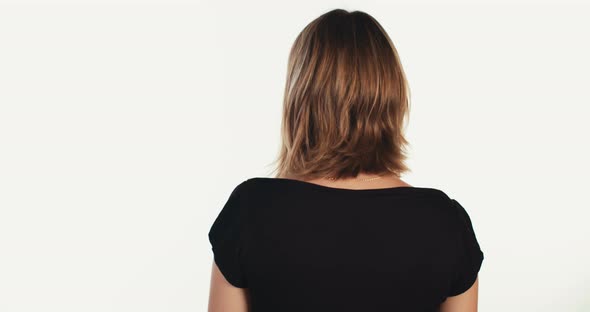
(225, 237)
(470, 257)
(299, 246)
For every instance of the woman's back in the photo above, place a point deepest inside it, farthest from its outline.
(300, 246)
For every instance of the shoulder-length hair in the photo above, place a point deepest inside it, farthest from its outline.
(345, 101)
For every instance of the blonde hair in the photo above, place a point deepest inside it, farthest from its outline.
(345, 102)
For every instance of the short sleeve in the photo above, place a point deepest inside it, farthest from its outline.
(225, 236)
(469, 254)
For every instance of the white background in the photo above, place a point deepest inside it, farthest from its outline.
(123, 129)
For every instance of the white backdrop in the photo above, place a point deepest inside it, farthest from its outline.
(123, 129)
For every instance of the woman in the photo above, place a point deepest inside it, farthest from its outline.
(337, 229)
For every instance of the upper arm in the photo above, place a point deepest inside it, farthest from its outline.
(464, 302)
(224, 296)
(229, 283)
(463, 291)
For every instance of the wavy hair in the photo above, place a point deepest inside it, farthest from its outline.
(346, 99)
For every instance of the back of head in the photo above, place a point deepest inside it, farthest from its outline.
(346, 99)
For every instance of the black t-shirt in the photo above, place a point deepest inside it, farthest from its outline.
(300, 246)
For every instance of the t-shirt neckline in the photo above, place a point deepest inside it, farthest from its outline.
(342, 190)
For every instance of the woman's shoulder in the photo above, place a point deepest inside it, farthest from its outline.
(431, 201)
(270, 185)
(260, 192)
